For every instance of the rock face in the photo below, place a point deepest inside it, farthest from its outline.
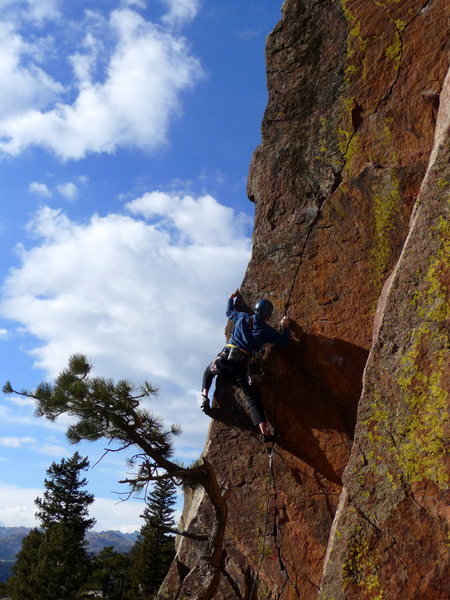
(352, 140)
(391, 534)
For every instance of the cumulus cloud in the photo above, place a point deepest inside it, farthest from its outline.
(42, 10)
(20, 415)
(24, 88)
(52, 450)
(68, 190)
(15, 442)
(17, 509)
(21, 401)
(17, 506)
(142, 294)
(201, 220)
(126, 101)
(37, 11)
(41, 189)
(180, 11)
(47, 448)
(135, 3)
(122, 516)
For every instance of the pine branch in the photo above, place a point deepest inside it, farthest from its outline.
(108, 410)
(163, 529)
(183, 473)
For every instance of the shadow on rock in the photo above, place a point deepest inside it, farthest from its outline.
(310, 392)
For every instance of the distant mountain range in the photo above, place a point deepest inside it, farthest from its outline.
(11, 542)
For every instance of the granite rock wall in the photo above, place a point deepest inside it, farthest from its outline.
(353, 139)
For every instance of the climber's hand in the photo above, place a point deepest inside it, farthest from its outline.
(285, 321)
(234, 294)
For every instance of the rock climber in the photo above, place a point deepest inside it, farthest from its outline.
(250, 333)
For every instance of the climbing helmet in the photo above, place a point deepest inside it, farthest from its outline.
(263, 308)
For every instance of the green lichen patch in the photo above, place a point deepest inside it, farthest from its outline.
(386, 205)
(380, 448)
(360, 567)
(395, 50)
(356, 44)
(345, 131)
(422, 449)
(376, 422)
(406, 417)
(385, 3)
(433, 302)
(422, 431)
(400, 25)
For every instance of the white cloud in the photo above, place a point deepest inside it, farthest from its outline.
(10, 415)
(17, 506)
(17, 509)
(202, 220)
(36, 11)
(22, 401)
(180, 11)
(114, 514)
(15, 442)
(52, 450)
(3, 333)
(130, 104)
(68, 190)
(137, 3)
(41, 10)
(144, 298)
(24, 88)
(41, 189)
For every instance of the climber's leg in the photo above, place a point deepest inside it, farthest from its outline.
(208, 376)
(254, 403)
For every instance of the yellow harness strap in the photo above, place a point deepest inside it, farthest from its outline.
(244, 351)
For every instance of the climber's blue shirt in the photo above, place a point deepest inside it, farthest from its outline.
(258, 336)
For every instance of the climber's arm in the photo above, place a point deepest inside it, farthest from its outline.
(281, 337)
(231, 313)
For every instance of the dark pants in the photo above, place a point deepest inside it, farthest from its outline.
(236, 373)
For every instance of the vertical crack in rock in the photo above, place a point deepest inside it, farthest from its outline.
(315, 209)
(396, 52)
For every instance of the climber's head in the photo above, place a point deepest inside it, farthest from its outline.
(264, 308)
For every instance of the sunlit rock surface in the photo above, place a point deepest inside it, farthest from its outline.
(351, 143)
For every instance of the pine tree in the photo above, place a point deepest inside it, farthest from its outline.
(110, 573)
(154, 549)
(113, 411)
(24, 582)
(53, 563)
(64, 500)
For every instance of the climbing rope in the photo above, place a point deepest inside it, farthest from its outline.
(270, 485)
(274, 386)
(300, 262)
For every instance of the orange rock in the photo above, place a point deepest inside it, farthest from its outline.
(346, 142)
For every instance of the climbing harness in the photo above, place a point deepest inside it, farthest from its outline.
(236, 354)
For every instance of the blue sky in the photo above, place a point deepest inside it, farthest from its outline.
(126, 132)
